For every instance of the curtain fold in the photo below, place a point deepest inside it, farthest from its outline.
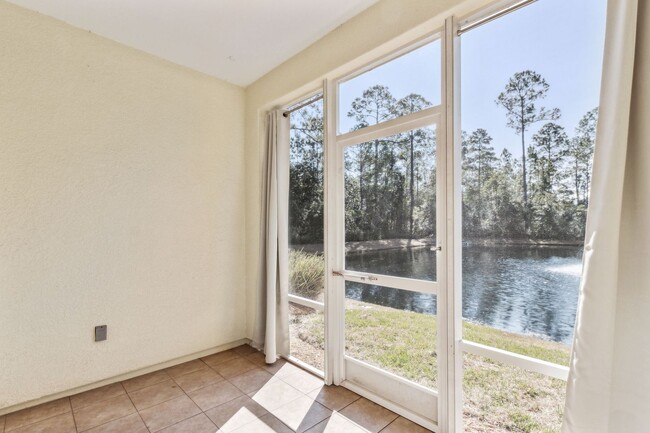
(272, 317)
(608, 390)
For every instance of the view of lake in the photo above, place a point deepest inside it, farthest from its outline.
(529, 290)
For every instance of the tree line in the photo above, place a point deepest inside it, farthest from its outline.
(390, 182)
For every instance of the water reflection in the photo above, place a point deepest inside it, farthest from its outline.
(528, 290)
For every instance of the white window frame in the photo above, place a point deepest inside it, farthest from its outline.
(448, 287)
(484, 15)
(295, 299)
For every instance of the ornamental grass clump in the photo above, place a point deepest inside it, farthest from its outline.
(306, 274)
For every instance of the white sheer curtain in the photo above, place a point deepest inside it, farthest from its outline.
(272, 320)
(609, 382)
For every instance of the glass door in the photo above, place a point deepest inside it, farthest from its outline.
(387, 257)
(391, 265)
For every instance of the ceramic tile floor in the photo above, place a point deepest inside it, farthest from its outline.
(232, 391)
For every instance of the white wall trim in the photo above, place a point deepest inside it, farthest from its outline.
(125, 376)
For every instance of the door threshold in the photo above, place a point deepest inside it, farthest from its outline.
(304, 366)
(398, 409)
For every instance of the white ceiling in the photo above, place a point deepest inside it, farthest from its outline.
(235, 40)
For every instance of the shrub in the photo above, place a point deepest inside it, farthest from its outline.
(306, 274)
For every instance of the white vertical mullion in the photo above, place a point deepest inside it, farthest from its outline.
(340, 243)
(334, 300)
(441, 257)
(455, 227)
(450, 299)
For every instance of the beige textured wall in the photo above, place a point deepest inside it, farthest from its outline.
(383, 27)
(121, 203)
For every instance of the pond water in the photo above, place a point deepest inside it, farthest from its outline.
(522, 289)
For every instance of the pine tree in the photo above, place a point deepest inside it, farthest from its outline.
(504, 214)
(306, 175)
(546, 154)
(415, 139)
(375, 105)
(519, 99)
(547, 151)
(580, 154)
(478, 165)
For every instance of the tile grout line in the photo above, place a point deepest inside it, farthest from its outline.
(184, 393)
(400, 416)
(158, 403)
(225, 379)
(353, 401)
(388, 425)
(40, 420)
(74, 419)
(197, 389)
(287, 383)
(303, 395)
(185, 419)
(335, 411)
(228, 380)
(161, 402)
(71, 411)
(197, 405)
(192, 400)
(107, 422)
(155, 383)
(268, 412)
(134, 407)
(172, 398)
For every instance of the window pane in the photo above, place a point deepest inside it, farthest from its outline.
(413, 262)
(521, 298)
(404, 85)
(500, 398)
(392, 329)
(307, 333)
(526, 178)
(306, 264)
(390, 205)
(306, 261)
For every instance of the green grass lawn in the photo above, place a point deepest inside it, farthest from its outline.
(498, 398)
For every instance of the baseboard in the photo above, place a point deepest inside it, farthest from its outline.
(124, 376)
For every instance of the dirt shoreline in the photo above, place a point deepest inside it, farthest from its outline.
(391, 244)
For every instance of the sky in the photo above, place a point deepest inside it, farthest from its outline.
(560, 39)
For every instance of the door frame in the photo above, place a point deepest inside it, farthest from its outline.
(338, 366)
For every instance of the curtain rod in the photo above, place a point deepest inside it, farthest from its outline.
(494, 16)
(303, 104)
